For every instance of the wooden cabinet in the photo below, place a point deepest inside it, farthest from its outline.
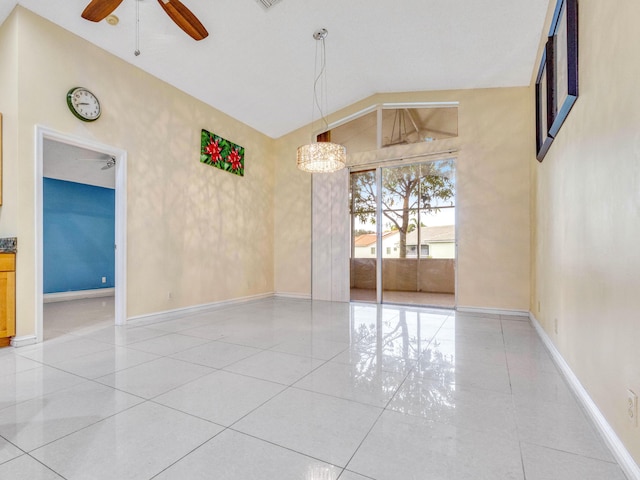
(7, 297)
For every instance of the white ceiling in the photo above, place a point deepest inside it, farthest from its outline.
(257, 65)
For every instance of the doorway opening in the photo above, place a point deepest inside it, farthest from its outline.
(403, 240)
(81, 215)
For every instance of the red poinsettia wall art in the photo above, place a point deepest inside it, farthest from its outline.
(221, 153)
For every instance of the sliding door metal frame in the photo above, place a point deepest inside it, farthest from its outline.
(379, 235)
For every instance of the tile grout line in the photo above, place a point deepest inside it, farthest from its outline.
(513, 404)
(284, 447)
(46, 466)
(187, 454)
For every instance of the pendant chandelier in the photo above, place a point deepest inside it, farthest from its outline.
(321, 157)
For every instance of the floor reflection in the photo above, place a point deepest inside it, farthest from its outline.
(388, 338)
(446, 300)
(287, 388)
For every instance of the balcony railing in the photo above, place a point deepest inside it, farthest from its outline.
(429, 275)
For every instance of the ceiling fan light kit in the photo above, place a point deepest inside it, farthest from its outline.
(98, 10)
(112, 20)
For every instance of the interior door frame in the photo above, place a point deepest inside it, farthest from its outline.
(42, 133)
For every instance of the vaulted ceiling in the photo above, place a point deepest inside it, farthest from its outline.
(257, 64)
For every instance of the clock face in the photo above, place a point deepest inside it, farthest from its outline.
(83, 104)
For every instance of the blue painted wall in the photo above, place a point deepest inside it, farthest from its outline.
(79, 234)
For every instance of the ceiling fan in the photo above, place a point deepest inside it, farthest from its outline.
(97, 10)
(110, 164)
(109, 161)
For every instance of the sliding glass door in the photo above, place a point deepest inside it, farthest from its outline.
(364, 235)
(403, 241)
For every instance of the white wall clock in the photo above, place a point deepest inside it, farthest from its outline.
(83, 104)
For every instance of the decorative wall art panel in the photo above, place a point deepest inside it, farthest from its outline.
(557, 80)
(544, 95)
(564, 35)
(221, 153)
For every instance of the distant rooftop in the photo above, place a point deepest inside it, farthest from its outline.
(367, 239)
(440, 234)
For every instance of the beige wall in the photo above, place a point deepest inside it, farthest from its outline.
(492, 197)
(9, 110)
(200, 233)
(292, 218)
(586, 255)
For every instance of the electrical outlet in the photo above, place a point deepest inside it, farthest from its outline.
(104, 279)
(538, 306)
(169, 295)
(555, 325)
(632, 408)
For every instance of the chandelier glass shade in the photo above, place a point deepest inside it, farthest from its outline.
(321, 157)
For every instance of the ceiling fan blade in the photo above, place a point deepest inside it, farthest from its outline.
(184, 18)
(97, 10)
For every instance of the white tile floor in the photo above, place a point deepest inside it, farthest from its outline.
(292, 389)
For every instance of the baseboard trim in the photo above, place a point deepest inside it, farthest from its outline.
(493, 311)
(78, 294)
(621, 454)
(23, 341)
(297, 296)
(194, 309)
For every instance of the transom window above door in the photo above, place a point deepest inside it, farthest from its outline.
(389, 125)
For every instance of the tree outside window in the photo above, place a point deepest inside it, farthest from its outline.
(409, 195)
